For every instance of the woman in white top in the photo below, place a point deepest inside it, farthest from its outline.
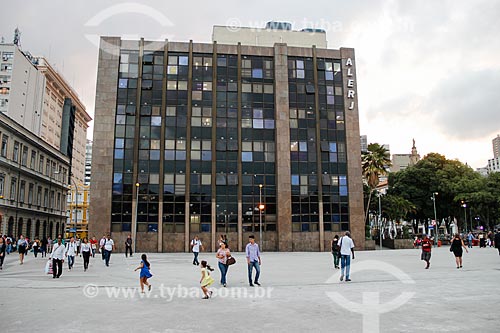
(86, 249)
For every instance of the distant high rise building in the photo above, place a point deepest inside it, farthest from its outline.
(496, 146)
(364, 143)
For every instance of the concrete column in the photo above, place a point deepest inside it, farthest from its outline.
(283, 180)
(354, 180)
(104, 131)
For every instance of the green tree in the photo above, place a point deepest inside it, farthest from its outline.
(374, 162)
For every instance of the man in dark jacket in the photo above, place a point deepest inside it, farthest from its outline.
(497, 241)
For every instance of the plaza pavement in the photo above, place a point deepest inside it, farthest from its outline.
(300, 292)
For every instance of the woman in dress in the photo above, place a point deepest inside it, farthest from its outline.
(456, 248)
(206, 279)
(22, 245)
(222, 254)
(145, 274)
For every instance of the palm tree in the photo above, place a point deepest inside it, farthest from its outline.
(374, 163)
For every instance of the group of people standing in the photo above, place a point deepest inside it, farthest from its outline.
(224, 260)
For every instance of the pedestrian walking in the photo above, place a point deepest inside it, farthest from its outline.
(145, 274)
(93, 243)
(426, 251)
(222, 254)
(3, 249)
(206, 280)
(57, 256)
(128, 246)
(497, 241)
(36, 246)
(86, 249)
(71, 250)
(9, 244)
(253, 260)
(101, 246)
(346, 245)
(470, 238)
(109, 246)
(336, 251)
(49, 245)
(22, 245)
(43, 247)
(456, 247)
(196, 245)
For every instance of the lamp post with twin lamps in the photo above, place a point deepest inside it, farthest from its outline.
(435, 218)
(261, 208)
(464, 205)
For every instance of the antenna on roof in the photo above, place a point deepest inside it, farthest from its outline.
(17, 37)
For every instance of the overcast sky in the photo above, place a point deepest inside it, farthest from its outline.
(427, 69)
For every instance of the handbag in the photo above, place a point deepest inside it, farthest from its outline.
(230, 261)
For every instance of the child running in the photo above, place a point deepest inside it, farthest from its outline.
(206, 279)
(145, 274)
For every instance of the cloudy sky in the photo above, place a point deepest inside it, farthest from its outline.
(427, 69)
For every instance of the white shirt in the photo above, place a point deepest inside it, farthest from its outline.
(58, 251)
(86, 247)
(108, 244)
(71, 249)
(346, 244)
(196, 245)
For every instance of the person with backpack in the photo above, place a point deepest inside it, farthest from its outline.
(346, 245)
(336, 252)
(109, 246)
(426, 251)
(195, 247)
(71, 250)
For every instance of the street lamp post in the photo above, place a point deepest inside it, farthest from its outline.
(435, 217)
(380, 219)
(261, 207)
(75, 219)
(134, 223)
(464, 205)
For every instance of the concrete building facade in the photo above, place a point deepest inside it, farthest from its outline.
(33, 183)
(191, 138)
(37, 97)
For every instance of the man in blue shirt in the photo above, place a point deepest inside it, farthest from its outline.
(253, 260)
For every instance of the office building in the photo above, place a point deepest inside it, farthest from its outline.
(227, 138)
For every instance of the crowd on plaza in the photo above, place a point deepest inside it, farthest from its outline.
(61, 250)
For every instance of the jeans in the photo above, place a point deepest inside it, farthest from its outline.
(35, 251)
(345, 263)
(223, 271)
(2, 257)
(107, 255)
(336, 259)
(103, 253)
(128, 249)
(86, 258)
(57, 267)
(71, 261)
(195, 260)
(9, 248)
(251, 265)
